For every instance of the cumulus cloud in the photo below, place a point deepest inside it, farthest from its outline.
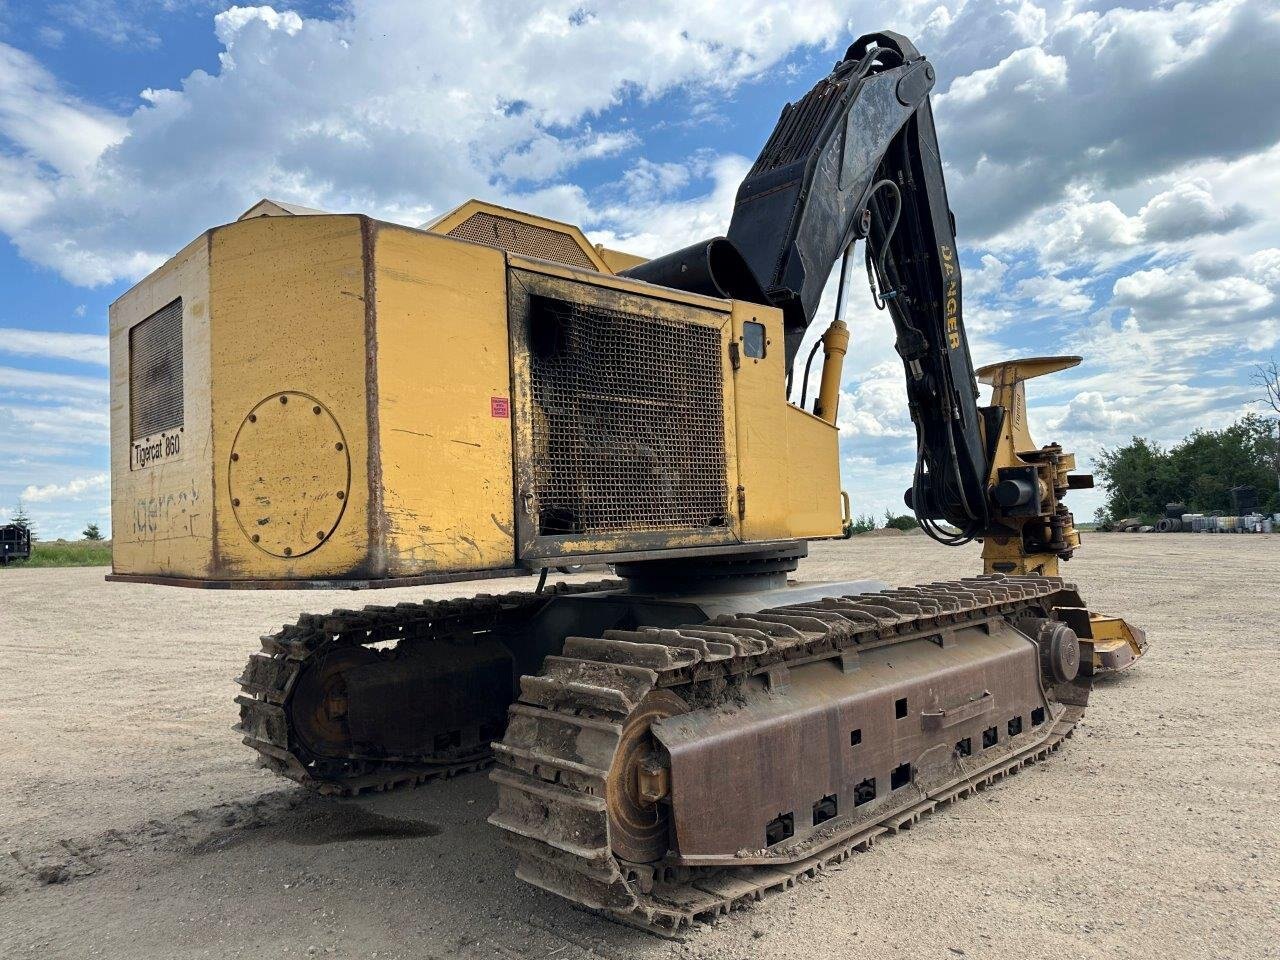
(1190, 210)
(1192, 313)
(875, 405)
(1091, 411)
(396, 108)
(74, 489)
(1108, 98)
(1067, 296)
(1109, 169)
(653, 218)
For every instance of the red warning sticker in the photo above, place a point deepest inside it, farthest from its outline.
(499, 407)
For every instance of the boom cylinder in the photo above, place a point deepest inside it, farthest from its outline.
(835, 344)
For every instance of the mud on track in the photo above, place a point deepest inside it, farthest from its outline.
(133, 824)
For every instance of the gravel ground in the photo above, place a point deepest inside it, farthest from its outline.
(136, 826)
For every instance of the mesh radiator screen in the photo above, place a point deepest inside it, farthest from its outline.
(155, 372)
(628, 421)
(528, 239)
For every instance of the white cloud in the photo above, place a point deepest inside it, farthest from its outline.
(1107, 99)
(1187, 210)
(651, 221)
(46, 123)
(1048, 291)
(875, 405)
(228, 25)
(65, 426)
(76, 489)
(1092, 411)
(1191, 313)
(396, 108)
(16, 380)
(1121, 196)
(83, 347)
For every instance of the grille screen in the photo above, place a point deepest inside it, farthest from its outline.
(628, 421)
(523, 238)
(155, 372)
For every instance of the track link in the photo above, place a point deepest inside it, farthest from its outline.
(270, 676)
(557, 782)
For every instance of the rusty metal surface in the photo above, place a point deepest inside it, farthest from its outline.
(323, 706)
(783, 753)
(553, 783)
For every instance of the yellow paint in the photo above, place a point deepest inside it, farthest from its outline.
(290, 474)
(1007, 381)
(442, 362)
(788, 460)
(618, 260)
(162, 514)
(835, 342)
(1015, 448)
(361, 366)
(1109, 635)
(647, 296)
(288, 314)
(812, 469)
(760, 408)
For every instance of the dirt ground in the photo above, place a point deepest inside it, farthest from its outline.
(133, 823)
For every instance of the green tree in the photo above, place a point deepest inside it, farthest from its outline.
(91, 532)
(904, 522)
(1134, 476)
(20, 519)
(863, 523)
(1141, 477)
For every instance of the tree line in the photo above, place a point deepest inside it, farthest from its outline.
(1142, 477)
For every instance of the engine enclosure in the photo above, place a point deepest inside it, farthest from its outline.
(303, 399)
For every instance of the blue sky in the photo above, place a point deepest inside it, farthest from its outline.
(1113, 168)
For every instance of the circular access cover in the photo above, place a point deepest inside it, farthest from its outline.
(289, 475)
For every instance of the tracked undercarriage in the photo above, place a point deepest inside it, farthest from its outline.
(663, 773)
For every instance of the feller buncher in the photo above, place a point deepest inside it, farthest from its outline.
(304, 400)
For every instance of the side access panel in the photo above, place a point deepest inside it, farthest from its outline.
(852, 742)
(443, 404)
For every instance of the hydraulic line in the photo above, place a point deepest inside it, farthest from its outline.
(840, 306)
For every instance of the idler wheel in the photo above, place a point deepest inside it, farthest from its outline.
(1059, 649)
(318, 707)
(639, 824)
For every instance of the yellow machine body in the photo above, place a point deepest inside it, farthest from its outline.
(299, 399)
(1049, 467)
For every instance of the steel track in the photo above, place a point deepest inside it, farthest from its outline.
(270, 676)
(555, 794)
